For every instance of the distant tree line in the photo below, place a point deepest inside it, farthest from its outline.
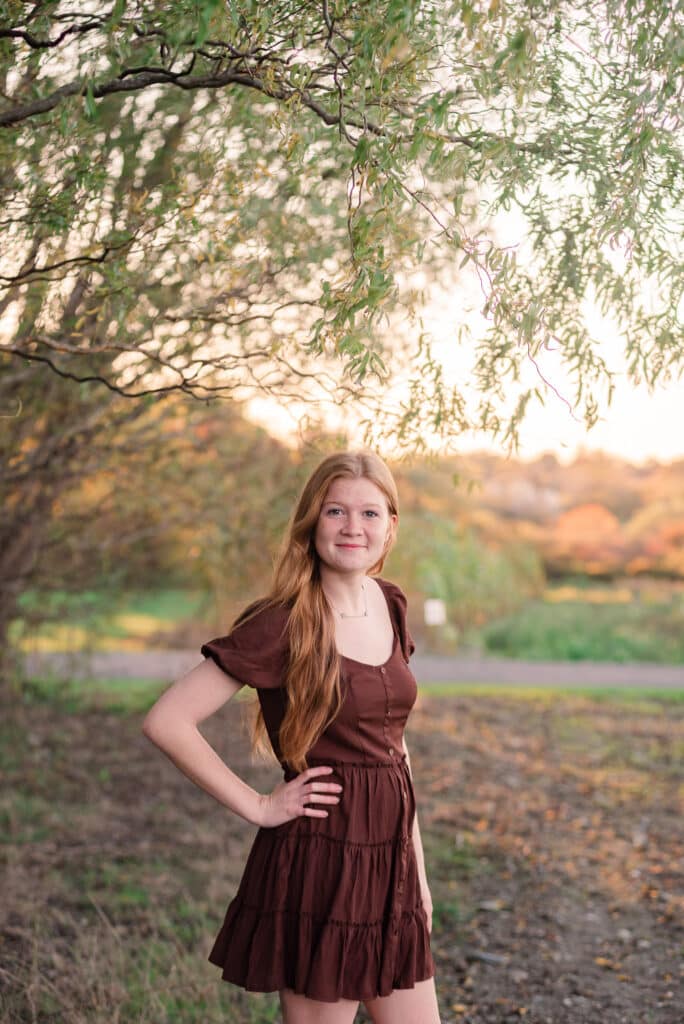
(202, 505)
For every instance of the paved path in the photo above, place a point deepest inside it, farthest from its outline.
(169, 665)
(431, 669)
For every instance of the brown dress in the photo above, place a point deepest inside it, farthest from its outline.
(331, 907)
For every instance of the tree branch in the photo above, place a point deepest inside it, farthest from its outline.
(143, 81)
(48, 44)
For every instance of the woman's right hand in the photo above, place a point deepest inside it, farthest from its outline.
(293, 799)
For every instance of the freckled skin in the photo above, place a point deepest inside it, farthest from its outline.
(353, 526)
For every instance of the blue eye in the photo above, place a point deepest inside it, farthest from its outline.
(333, 510)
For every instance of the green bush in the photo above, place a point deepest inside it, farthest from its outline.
(477, 582)
(577, 631)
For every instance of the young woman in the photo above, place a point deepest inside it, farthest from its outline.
(333, 908)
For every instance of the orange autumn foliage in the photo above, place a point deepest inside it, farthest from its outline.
(586, 538)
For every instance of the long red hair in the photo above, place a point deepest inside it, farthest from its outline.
(312, 679)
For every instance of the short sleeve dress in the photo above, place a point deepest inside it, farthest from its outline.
(331, 907)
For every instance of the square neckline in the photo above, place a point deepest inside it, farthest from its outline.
(395, 641)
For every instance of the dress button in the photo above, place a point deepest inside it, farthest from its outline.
(391, 751)
(382, 669)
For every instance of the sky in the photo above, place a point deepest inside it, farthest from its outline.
(638, 426)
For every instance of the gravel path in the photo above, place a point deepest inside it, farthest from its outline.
(170, 664)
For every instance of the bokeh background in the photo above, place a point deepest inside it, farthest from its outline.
(236, 236)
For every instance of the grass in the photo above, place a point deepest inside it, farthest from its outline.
(117, 871)
(575, 621)
(112, 887)
(132, 696)
(546, 695)
(122, 695)
(104, 619)
(128, 696)
(168, 604)
(106, 975)
(583, 630)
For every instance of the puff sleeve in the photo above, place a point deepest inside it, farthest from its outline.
(255, 652)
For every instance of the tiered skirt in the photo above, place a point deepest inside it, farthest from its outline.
(331, 907)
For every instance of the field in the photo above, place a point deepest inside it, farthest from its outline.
(628, 621)
(554, 839)
(622, 623)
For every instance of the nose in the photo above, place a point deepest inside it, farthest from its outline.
(353, 525)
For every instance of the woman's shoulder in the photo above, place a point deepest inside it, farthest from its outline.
(396, 598)
(261, 616)
(255, 650)
(391, 589)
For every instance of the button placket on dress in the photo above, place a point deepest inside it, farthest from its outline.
(400, 767)
(388, 711)
(366, 736)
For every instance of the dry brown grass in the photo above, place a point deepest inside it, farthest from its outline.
(553, 834)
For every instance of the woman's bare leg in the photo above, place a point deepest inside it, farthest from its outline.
(417, 1005)
(302, 1010)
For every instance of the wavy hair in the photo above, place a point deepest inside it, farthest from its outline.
(312, 679)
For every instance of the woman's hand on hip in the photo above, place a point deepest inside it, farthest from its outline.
(299, 797)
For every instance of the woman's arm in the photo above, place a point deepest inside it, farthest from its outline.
(171, 724)
(420, 857)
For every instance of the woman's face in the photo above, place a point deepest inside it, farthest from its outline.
(354, 525)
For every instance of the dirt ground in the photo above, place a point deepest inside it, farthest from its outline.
(570, 909)
(554, 839)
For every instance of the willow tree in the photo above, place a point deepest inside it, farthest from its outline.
(219, 198)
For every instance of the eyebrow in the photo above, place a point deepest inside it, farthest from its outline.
(364, 504)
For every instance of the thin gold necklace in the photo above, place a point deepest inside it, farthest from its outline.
(354, 615)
